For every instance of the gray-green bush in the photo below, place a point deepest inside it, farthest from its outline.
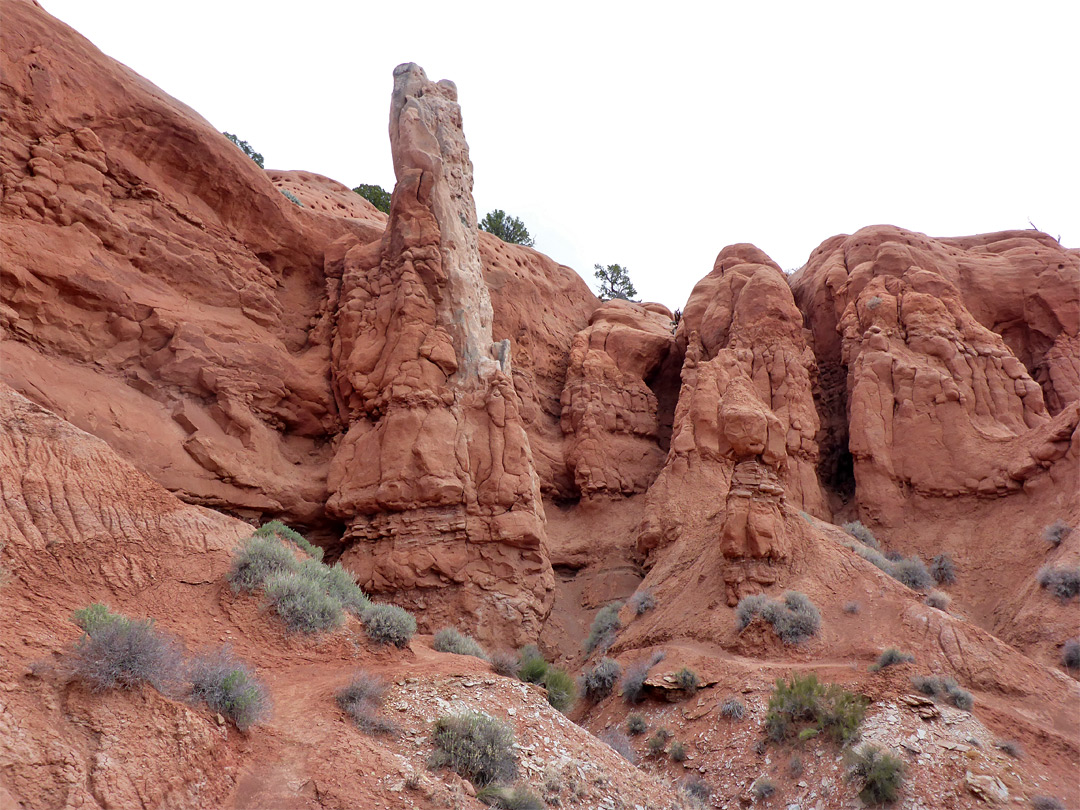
(794, 620)
(1070, 654)
(687, 680)
(362, 699)
(890, 657)
(943, 570)
(257, 559)
(389, 624)
(636, 724)
(733, 709)
(912, 572)
(302, 602)
(1056, 532)
(882, 774)
(642, 602)
(116, 652)
(604, 627)
(939, 687)
(598, 682)
(1063, 582)
(228, 685)
(502, 797)
(633, 682)
(449, 640)
(475, 746)
(857, 530)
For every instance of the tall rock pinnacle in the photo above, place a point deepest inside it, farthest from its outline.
(435, 479)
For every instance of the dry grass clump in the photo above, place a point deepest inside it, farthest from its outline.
(116, 652)
(599, 681)
(476, 747)
(362, 699)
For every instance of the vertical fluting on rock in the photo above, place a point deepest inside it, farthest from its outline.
(434, 479)
(745, 424)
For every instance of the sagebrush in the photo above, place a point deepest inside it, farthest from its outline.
(475, 746)
(228, 685)
(362, 699)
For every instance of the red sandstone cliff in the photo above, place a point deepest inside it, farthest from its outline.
(467, 428)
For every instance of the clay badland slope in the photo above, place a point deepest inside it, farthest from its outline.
(470, 431)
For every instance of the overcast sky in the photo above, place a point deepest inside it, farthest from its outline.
(654, 138)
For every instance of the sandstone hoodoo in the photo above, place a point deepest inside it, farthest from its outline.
(434, 478)
(382, 511)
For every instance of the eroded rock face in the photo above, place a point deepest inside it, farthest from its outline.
(157, 290)
(745, 425)
(948, 372)
(611, 417)
(434, 479)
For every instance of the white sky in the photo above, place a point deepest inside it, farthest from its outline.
(652, 135)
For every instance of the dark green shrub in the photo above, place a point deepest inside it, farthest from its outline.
(599, 681)
(937, 599)
(794, 620)
(642, 602)
(362, 699)
(1070, 654)
(245, 147)
(881, 772)
(1056, 532)
(677, 752)
(376, 195)
(620, 743)
(341, 585)
(116, 652)
(633, 683)
(805, 705)
(636, 724)
(857, 530)
(93, 617)
(687, 680)
(942, 570)
(510, 798)
(228, 685)
(561, 691)
(259, 558)
(733, 709)
(912, 572)
(475, 746)
(509, 229)
(531, 667)
(389, 624)
(604, 628)
(614, 282)
(302, 602)
(1064, 583)
(449, 640)
(890, 657)
(763, 788)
